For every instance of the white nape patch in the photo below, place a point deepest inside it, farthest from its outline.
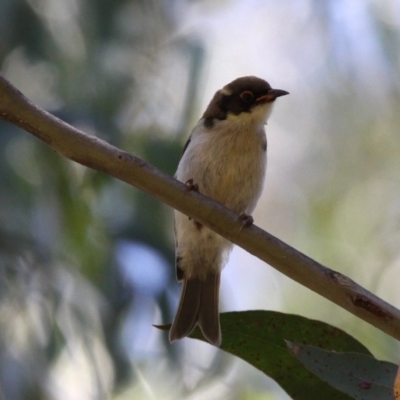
(225, 91)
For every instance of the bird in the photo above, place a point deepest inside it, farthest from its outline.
(224, 159)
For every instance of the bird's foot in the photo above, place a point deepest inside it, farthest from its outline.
(191, 186)
(246, 220)
(195, 187)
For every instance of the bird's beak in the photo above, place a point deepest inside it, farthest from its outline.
(272, 95)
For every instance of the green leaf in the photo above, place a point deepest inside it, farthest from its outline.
(258, 337)
(360, 376)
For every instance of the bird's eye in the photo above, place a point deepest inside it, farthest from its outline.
(247, 96)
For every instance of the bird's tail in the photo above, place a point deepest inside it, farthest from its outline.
(199, 304)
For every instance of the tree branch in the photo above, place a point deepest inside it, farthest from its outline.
(99, 155)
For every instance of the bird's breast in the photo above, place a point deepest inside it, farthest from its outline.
(228, 165)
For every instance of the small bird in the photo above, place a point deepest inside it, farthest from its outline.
(224, 159)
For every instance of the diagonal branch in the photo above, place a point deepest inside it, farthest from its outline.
(99, 155)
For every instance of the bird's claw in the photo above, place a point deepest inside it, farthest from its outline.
(246, 220)
(191, 186)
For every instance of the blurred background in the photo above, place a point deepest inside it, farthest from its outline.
(86, 262)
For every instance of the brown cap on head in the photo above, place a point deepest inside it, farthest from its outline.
(257, 85)
(241, 95)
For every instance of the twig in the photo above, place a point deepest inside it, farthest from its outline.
(99, 155)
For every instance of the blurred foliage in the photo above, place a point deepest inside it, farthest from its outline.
(98, 65)
(86, 262)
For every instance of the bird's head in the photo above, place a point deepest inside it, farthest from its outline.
(247, 98)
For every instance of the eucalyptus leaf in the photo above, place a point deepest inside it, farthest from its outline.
(258, 337)
(361, 376)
